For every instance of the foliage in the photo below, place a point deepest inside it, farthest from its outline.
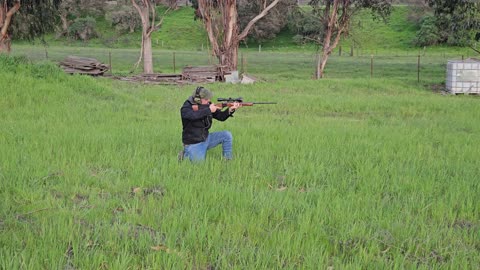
(267, 27)
(70, 10)
(429, 34)
(458, 21)
(83, 29)
(270, 25)
(311, 23)
(124, 18)
(306, 26)
(35, 18)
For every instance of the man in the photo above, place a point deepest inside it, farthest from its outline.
(197, 114)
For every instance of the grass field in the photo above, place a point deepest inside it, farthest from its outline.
(343, 173)
(365, 169)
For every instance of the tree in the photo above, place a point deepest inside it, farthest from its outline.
(71, 10)
(147, 11)
(270, 25)
(173, 4)
(335, 16)
(124, 18)
(36, 18)
(458, 21)
(220, 18)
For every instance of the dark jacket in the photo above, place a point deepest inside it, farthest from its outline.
(197, 122)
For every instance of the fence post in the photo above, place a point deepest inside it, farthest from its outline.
(371, 66)
(110, 62)
(351, 50)
(339, 50)
(174, 64)
(46, 53)
(259, 47)
(418, 69)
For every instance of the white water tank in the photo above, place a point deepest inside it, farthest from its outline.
(463, 76)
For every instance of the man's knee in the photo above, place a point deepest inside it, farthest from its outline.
(228, 136)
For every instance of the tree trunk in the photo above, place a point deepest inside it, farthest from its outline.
(5, 46)
(148, 26)
(5, 20)
(222, 29)
(229, 58)
(147, 54)
(64, 20)
(333, 28)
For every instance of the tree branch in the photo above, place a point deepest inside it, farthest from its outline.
(245, 31)
(474, 49)
(8, 19)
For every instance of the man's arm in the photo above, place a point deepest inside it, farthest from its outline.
(188, 112)
(222, 115)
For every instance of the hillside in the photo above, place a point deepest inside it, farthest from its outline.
(181, 32)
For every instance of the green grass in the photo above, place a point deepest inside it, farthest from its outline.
(345, 173)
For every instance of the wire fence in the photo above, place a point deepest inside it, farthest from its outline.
(269, 65)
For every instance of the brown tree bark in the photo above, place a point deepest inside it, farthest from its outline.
(5, 20)
(334, 28)
(222, 28)
(146, 10)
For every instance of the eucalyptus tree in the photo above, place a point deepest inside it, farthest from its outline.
(220, 18)
(335, 17)
(458, 21)
(34, 19)
(270, 25)
(147, 11)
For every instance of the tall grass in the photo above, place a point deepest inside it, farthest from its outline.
(351, 173)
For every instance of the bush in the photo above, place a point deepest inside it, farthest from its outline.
(125, 19)
(428, 34)
(305, 26)
(83, 29)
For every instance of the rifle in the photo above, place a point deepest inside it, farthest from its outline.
(228, 102)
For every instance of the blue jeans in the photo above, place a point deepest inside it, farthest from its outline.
(198, 151)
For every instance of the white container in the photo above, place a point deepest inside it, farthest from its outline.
(463, 77)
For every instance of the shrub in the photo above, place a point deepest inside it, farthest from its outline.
(83, 29)
(428, 33)
(124, 19)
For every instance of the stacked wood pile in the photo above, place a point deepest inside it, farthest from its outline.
(83, 65)
(203, 73)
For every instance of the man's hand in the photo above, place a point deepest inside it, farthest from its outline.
(235, 106)
(213, 108)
